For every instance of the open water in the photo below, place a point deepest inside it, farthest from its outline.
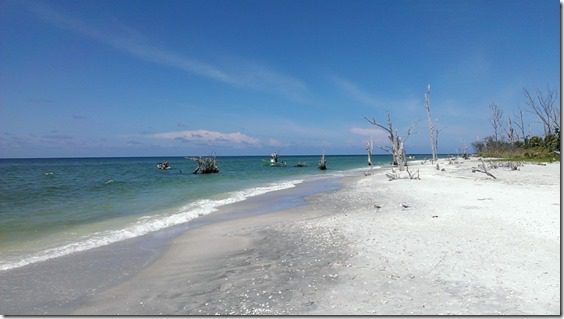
(54, 207)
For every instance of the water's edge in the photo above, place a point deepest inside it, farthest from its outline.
(61, 284)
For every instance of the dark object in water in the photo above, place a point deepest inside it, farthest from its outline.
(274, 161)
(206, 165)
(164, 165)
(301, 164)
(322, 163)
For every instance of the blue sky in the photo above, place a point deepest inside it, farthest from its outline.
(156, 78)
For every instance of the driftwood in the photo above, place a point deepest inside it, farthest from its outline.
(412, 175)
(397, 175)
(206, 165)
(482, 169)
(514, 166)
(322, 163)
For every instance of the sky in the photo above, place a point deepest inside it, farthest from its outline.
(233, 77)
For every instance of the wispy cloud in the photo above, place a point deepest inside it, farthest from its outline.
(368, 131)
(276, 143)
(210, 137)
(79, 117)
(353, 91)
(58, 137)
(252, 75)
(378, 135)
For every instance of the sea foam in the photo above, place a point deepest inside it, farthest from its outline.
(147, 224)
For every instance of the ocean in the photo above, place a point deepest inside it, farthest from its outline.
(54, 207)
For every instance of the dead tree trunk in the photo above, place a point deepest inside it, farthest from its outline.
(433, 132)
(495, 119)
(397, 149)
(521, 125)
(369, 148)
(206, 165)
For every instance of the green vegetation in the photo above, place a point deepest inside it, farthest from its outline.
(533, 149)
(509, 141)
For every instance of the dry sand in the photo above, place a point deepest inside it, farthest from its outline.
(467, 244)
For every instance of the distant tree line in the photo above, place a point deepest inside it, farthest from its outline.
(510, 140)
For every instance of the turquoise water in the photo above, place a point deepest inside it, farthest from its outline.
(53, 207)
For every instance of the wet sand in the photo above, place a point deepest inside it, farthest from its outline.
(64, 285)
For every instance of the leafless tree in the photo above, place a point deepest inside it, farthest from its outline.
(433, 132)
(543, 106)
(520, 125)
(510, 131)
(397, 143)
(495, 119)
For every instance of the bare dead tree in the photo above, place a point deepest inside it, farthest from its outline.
(433, 132)
(543, 106)
(520, 125)
(206, 165)
(397, 148)
(495, 119)
(436, 141)
(509, 130)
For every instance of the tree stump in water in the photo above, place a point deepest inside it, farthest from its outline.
(206, 165)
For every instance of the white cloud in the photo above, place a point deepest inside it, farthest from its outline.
(277, 143)
(377, 135)
(243, 74)
(368, 131)
(211, 137)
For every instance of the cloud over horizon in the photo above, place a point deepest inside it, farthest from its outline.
(210, 137)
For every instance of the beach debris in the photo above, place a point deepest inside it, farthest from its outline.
(377, 206)
(206, 165)
(164, 165)
(412, 175)
(274, 161)
(435, 216)
(404, 205)
(322, 163)
(482, 169)
(392, 176)
(512, 165)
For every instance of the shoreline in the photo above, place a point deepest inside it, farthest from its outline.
(464, 245)
(58, 285)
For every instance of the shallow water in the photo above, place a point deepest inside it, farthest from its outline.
(53, 207)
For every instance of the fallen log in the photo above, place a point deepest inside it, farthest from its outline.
(482, 169)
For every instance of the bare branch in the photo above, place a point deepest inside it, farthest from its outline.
(543, 107)
(495, 119)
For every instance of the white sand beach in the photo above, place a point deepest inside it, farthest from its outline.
(466, 244)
